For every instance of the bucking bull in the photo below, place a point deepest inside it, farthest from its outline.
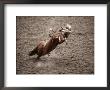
(56, 38)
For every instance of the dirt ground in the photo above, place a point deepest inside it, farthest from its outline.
(77, 57)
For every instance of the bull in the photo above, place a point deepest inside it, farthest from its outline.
(56, 38)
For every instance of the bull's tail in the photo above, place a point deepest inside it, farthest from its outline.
(33, 52)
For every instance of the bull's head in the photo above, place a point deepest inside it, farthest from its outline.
(66, 31)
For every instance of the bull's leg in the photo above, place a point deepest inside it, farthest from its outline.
(48, 54)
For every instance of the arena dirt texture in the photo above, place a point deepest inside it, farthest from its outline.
(75, 57)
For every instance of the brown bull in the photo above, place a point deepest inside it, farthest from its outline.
(45, 47)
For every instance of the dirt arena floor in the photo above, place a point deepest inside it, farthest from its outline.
(77, 57)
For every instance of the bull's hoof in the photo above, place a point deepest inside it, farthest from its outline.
(48, 54)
